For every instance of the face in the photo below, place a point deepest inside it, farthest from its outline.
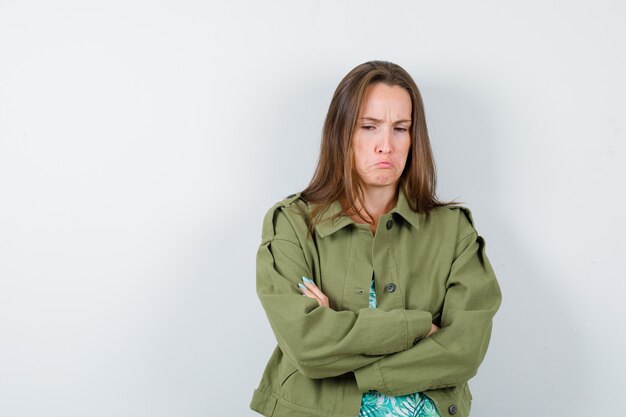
(382, 139)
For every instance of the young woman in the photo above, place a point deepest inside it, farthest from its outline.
(380, 296)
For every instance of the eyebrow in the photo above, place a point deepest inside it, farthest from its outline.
(372, 119)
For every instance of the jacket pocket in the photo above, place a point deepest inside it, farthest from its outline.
(317, 396)
(285, 371)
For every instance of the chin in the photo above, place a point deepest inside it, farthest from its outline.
(382, 182)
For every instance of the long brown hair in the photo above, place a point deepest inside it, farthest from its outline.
(335, 176)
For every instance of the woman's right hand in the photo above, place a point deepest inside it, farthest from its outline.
(310, 290)
(433, 329)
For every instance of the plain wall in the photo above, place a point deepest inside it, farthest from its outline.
(142, 142)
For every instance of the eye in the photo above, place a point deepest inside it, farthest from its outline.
(368, 127)
(402, 129)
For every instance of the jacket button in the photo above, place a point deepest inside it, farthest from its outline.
(416, 340)
(452, 409)
(391, 287)
(389, 224)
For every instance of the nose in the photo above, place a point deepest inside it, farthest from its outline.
(384, 145)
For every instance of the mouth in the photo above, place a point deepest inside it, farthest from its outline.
(384, 164)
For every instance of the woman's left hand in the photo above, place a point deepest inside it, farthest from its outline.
(310, 290)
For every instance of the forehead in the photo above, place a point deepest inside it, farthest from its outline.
(382, 99)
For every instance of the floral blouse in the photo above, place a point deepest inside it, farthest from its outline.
(375, 404)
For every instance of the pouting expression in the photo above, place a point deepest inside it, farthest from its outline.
(382, 138)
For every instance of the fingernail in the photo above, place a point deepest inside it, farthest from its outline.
(301, 285)
(310, 281)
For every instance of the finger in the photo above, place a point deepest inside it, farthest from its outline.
(433, 329)
(306, 291)
(313, 288)
(310, 285)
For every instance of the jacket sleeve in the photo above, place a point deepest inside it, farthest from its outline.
(453, 354)
(320, 341)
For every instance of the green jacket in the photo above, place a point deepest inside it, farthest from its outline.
(427, 269)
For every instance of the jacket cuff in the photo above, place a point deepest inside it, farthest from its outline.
(369, 378)
(418, 324)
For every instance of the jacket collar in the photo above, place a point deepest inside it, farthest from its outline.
(326, 227)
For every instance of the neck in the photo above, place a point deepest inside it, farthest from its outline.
(378, 201)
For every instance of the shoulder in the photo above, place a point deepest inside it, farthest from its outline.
(285, 219)
(457, 220)
(292, 206)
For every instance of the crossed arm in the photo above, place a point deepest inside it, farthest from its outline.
(377, 345)
(309, 289)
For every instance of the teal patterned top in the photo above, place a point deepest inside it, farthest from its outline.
(375, 404)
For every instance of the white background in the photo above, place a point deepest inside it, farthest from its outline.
(141, 142)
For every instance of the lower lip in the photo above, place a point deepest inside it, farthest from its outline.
(383, 165)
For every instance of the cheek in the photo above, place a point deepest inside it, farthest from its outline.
(404, 149)
(360, 155)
